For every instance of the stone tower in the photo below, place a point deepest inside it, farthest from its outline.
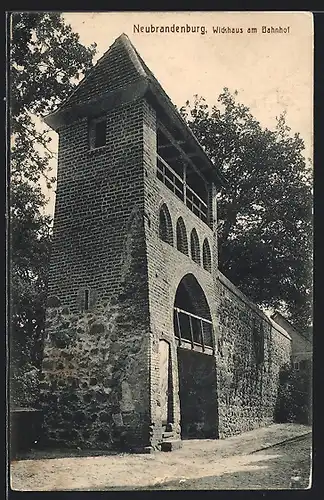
(134, 315)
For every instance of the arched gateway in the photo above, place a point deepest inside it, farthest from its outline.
(192, 319)
(196, 364)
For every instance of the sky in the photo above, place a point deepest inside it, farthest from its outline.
(272, 72)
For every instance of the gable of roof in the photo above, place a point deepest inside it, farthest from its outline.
(118, 67)
(279, 319)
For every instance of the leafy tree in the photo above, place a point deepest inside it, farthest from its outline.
(46, 62)
(265, 211)
(294, 398)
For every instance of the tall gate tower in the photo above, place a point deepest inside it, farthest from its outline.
(132, 328)
(129, 355)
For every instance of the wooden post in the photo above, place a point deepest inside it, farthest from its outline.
(191, 332)
(202, 334)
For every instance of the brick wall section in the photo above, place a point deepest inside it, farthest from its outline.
(95, 385)
(96, 193)
(301, 346)
(166, 267)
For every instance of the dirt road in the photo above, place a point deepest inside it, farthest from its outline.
(282, 467)
(201, 464)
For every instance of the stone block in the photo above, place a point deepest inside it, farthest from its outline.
(171, 445)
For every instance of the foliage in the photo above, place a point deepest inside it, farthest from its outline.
(46, 61)
(25, 385)
(265, 210)
(294, 395)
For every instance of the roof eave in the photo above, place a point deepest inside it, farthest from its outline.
(96, 106)
(175, 116)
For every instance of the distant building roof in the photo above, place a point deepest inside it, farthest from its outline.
(280, 319)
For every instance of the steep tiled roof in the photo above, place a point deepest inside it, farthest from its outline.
(115, 69)
(120, 66)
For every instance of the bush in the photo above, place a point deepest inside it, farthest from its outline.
(24, 390)
(294, 395)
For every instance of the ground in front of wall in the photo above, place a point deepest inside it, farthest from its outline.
(276, 457)
(285, 466)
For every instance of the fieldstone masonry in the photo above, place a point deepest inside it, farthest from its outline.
(116, 287)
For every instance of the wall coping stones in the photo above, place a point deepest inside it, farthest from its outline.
(279, 329)
(228, 284)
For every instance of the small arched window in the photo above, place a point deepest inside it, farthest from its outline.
(206, 256)
(182, 242)
(165, 225)
(194, 246)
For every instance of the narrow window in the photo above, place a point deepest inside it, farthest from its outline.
(258, 337)
(100, 134)
(97, 133)
(182, 242)
(302, 364)
(206, 256)
(86, 299)
(194, 246)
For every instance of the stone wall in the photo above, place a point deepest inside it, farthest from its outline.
(250, 352)
(95, 387)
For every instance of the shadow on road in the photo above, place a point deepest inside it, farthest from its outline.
(280, 468)
(35, 454)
